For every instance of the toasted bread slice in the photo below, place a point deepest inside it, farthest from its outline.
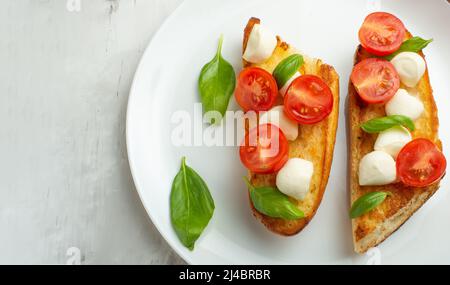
(374, 227)
(314, 143)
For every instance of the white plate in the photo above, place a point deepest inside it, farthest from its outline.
(166, 81)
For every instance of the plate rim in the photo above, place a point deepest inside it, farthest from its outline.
(130, 106)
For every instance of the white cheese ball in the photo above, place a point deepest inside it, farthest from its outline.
(392, 140)
(277, 117)
(404, 104)
(410, 67)
(294, 178)
(377, 168)
(260, 45)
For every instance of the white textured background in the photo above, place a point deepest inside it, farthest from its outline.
(64, 175)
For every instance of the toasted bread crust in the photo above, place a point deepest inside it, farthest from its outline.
(374, 227)
(315, 142)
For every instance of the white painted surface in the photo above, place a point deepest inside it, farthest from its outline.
(64, 176)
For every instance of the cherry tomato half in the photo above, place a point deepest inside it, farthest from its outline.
(420, 163)
(375, 80)
(256, 89)
(381, 33)
(308, 100)
(264, 149)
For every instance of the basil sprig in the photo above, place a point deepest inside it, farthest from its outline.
(216, 83)
(191, 205)
(414, 44)
(287, 68)
(271, 202)
(367, 203)
(380, 124)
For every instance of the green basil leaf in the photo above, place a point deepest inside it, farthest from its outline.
(216, 83)
(367, 203)
(271, 202)
(414, 44)
(287, 68)
(380, 124)
(191, 205)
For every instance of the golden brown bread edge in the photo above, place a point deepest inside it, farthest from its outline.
(315, 142)
(374, 227)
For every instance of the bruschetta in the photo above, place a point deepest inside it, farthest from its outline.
(395, 161)
(303, 93)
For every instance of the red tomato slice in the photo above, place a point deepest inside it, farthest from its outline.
(256, 89)
(375, 80)
(420, 163)
(308, 100)
(264, 149)
(381, 33)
